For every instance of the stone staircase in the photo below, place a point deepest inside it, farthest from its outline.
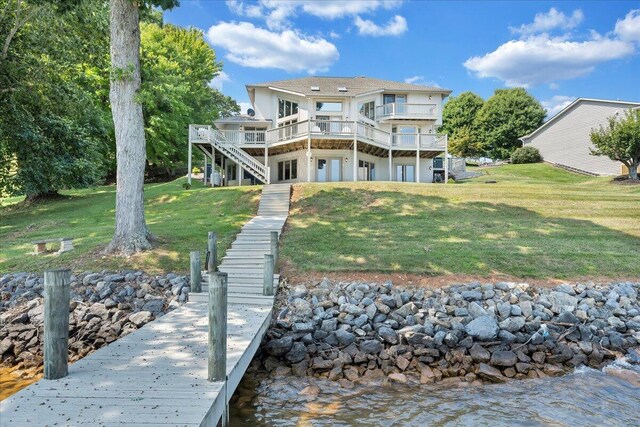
(244, 261)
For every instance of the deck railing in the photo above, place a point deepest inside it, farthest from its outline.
(402, 110)
(338, 129)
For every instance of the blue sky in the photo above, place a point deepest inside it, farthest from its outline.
(558, 50)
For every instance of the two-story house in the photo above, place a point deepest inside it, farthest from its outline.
(324, 129)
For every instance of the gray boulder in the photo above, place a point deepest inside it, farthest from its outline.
(483, 328)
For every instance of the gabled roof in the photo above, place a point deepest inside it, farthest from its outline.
(329, 86)
(571, 106)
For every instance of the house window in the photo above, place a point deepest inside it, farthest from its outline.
(366, 171)
(232, 172)
(389, 98)
(287, 108)
(368, 110)
(438, 163)
(329, 107)
(287, 170)
(405, 173)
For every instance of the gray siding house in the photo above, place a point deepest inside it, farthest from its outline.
(564, 139)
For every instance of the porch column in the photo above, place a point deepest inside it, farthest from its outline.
(309, 162)
(266, 162)
(446, 160)
(239, 173)
(205, 170)
(418, 163)
(189, 163)
(390, 160)
(213, 164)
(355, 158)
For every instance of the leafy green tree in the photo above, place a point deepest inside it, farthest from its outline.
(458, 121)
(506, 116)
(52, 120)
(620, 141)
(177, 66)
(466, 143)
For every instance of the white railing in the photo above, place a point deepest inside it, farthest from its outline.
(403, 110)
(427, 141)
(288, 132)
(332, 127)
(373, 134)
(241, 155)
(245, 137)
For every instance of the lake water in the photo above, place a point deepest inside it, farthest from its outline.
(587, 397)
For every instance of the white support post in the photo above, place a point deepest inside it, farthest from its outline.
(309, 162)
(266, 163)
(390, 160)
(239, 173)
(189, 163)
(213, 164)
(355, 158)
(224, 171)
(418, 159)
(204, 180)
(446, 160)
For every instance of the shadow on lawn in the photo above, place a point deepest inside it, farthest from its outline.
(340, 229)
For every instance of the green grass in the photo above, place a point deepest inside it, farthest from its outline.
(537, 221)
(179, 218)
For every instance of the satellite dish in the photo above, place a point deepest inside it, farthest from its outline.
(250, 112)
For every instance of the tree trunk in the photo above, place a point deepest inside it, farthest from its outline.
(131, 233)
(633, 171)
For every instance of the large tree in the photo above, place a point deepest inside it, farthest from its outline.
(620, 141)
(505, 117)
(458, 122)
(131, 232)
(177, 68)
(52, 122)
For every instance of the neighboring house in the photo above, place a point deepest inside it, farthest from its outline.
(564, 139)
(320, 129)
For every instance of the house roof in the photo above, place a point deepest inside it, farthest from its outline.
(241, 118)
(570, 107)
(355, 86)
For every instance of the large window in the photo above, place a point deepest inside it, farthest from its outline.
(287, 170)
(366, 171)
(329, 107)
(405, 173)
(368, 110)
(287, 108)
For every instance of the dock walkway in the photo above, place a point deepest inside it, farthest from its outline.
(157, 375)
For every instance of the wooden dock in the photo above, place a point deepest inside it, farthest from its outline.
(157, 375)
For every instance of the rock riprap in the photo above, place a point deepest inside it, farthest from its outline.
(104, 306)
(353, 332)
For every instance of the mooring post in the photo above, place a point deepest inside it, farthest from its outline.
(212, 266)
(274, 247)
(267, 286)
(56, 323)
(217, 326)
(196, 271)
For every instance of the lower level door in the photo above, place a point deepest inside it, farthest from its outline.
(329, 170)
(405, 173)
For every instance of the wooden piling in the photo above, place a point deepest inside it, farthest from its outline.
(217, 327)
(274, 247)
(196, 271)
(267, 286)
(56, 323)
(212, 241)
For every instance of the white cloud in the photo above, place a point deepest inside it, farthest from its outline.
(557, 104)
(629, 27)
(334, 35)
(277, 13)
(414, 79)
(218, 80)
(287, 50)
(395, 27)
(541, 59)
(551, 20)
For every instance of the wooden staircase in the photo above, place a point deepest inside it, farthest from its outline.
(244, 261)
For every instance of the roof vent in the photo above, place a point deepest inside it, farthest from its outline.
(315, 88)
(342, 89)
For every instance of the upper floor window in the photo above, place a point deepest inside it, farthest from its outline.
(389, 98)
(368, 110)
(286, 108)
(329, 107)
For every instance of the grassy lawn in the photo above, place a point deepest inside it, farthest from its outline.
(179, 219)
(537, 222)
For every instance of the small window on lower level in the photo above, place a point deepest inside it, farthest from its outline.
(288, 170)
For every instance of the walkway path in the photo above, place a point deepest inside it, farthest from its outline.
(157, 375)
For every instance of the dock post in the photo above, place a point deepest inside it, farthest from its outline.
(56, 323)
(196, 271)
(212, 266)
(274, 247)
(267, 286)
(217, 327)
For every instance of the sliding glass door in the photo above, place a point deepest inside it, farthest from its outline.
(329, 170)
(405, 173)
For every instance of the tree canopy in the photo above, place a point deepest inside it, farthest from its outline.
(459, 122)
(505, 117)
(620, 141)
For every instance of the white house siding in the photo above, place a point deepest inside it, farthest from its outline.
(566, 141)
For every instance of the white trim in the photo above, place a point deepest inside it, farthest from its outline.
(290, 92)
(569, 107)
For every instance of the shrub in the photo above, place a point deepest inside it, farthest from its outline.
(526, 155)
(196, 170)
